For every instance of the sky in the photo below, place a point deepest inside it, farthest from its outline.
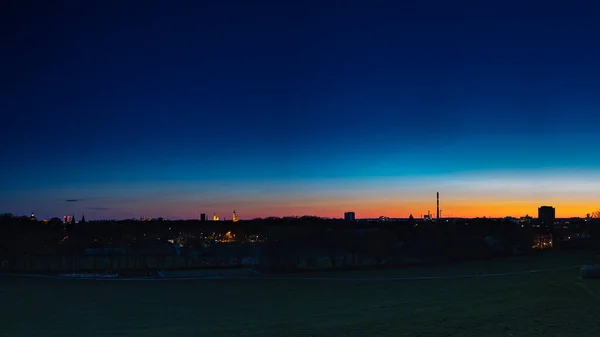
(278, 108)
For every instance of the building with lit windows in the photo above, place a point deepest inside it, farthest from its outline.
(542, 241)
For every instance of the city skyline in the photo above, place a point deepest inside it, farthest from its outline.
(300, 108)
(469, 195)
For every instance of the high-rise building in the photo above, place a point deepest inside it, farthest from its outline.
(547, 215)
(349, 216)
(202, 217)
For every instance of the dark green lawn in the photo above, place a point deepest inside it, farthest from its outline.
(545, 304)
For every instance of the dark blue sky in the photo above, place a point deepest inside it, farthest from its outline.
(269, 91)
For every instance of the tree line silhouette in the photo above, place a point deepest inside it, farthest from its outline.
(270, 244)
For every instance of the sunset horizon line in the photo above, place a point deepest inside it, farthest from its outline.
(364, 216)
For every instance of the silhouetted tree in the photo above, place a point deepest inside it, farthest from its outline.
(379, 245)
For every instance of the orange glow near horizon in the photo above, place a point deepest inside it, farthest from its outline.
(464, 210)
(490, 194)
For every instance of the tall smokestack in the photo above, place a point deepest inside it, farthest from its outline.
(438, 205)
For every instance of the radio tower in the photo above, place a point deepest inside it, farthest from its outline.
(438, 205)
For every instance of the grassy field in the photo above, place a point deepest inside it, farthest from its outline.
(544, 304)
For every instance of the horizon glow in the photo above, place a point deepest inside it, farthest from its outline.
(491, 194)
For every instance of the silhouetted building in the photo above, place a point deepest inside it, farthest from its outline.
(525, 219)
(202, 217)
(83, 218)
(547, 215)
(349, 216)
